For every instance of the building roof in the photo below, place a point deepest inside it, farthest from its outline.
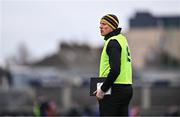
(146, 20)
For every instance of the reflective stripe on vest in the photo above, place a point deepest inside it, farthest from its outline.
(125, 76)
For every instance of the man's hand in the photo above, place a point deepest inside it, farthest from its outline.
(99, 94)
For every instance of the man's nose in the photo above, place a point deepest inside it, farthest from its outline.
(100, 26)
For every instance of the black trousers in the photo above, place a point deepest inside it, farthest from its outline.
(117, 103)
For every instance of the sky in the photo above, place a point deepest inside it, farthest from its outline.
(41, 25)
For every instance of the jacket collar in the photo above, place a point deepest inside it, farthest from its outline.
(113, 33)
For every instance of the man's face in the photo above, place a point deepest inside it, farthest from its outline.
(105, 28)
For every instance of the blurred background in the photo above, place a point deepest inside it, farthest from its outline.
(49, 49)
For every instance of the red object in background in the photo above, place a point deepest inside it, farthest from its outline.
(52, 109)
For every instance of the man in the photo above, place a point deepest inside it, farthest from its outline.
(116, 66)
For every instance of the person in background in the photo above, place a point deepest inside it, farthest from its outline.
(134, 111)
(116, 67)
(44, 107)
(36, 109)
(51, 109)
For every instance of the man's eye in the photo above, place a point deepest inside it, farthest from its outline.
(104, 24)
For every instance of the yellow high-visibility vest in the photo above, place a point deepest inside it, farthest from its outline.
(125, 76)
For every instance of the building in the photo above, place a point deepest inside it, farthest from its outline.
(150, 37)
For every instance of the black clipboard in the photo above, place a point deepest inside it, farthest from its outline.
(93, 84)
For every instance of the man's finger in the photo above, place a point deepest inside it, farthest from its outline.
(99, 98)
(95, 92)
